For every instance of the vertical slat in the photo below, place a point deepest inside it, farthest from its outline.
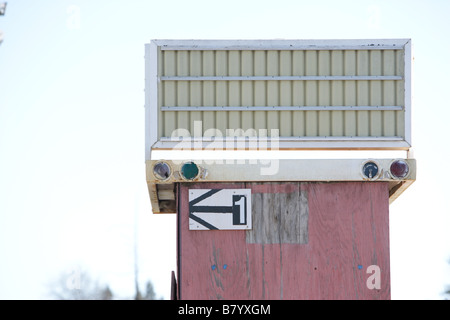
(234, 89)
(195, 63)
(311, 93)
(363, 93)
(399, 62)
(400, 127)
(247, 64)
(209, 97)
(286, 116)
(400, 70)
(222, 90)
(400, 117)
(285, 93)
(260, 69)
(350, 93)
(169, 63)
(183, 89)
(160, 113)
(273, 63)
(324, 93)
(389, 93)
(298, 117)
(160, 98)
(376, 93)
(376, 63)
(247, 91)
(222, 100)
(389, 63)
(247, 100)
(298, 96)
(400, 91)
(260, 100)
(273, 99)
(170, 93)
(273, 94)
(195, 92)
(170, 120)
(337, 93)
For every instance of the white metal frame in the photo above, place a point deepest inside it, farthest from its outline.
(285, 78)
(281, 143)
(408, 92)
(151, 97)
(283, 108)
(341, 44)
(152, 82)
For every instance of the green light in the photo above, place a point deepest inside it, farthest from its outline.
(189, 171)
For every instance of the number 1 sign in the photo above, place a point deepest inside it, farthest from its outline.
(220, 209)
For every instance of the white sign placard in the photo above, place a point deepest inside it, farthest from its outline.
(220, 209)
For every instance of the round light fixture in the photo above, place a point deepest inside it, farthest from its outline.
(370, 170)
(189, 171)
(399, 169)
(162, 170)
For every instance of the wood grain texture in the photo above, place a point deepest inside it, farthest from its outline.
(279, 217)
(348, 231)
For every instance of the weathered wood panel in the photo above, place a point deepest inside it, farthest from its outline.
(347, 231)
(279, 217)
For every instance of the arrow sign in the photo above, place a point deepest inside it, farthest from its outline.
(220, 209)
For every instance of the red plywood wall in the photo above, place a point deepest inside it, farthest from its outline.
(309, 241)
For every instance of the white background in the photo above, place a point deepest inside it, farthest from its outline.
(72, 175)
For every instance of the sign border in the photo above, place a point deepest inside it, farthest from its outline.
(219, 209)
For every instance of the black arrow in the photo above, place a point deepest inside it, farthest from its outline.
(213, 209)
(203, 196)
(202, 222)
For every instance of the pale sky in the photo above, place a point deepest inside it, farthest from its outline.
(72, 174)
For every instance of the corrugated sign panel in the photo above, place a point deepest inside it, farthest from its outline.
(323, 94)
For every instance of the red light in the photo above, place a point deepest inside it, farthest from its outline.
(399, 169)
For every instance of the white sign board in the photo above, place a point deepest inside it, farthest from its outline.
(220, 209)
